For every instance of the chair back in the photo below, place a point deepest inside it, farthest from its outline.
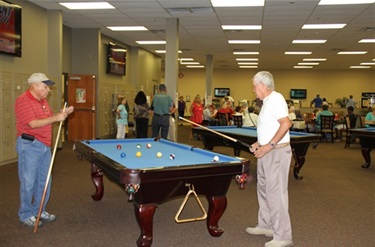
(362, 121)
(238, 120)
(326, 123)
(223, 119)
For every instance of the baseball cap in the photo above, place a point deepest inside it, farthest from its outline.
(40, 77)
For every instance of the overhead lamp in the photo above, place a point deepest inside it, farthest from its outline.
(297, 52)
(194, 66)
(308, 63)
(248, 67)
(127, 28)
(367, 41)
(241, 27)
(237, 3)
(302, 67)
(309, 41)
(245, 53)
(360, 67)
(244, 42)
(344, 2)
(324, 26)
(315, 59)
(367, 63)
(247, 59)
(87, 5)
(151, 42)
(352, 52)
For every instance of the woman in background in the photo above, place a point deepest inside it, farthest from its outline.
(196, 111)
(370, 118)
(122, 118)
(141, 114)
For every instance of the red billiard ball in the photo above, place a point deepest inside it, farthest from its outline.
(148, 145)
(118, 147)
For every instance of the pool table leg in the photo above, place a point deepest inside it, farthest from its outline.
(366, 156)
(216, 208)
(144, 214)
(97, 179)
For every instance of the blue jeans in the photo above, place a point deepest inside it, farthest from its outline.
(34, 159)
(160, 126)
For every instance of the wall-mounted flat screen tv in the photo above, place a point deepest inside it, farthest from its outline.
(221, 92)
(116, 59)
(298, 93)
(10, 28)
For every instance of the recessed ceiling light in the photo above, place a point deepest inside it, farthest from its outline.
(343, 2)
(237, 3)
(309, 41)
(297, 52)
(128, 28)
(352, 52)
(245, 53)
(323, 26)
(315, 59)
(151, 42)
(360, 67)
(367, 41)
(241, 27)
(87, 5)
(244, 42)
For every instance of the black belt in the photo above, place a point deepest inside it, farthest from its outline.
(161, 115)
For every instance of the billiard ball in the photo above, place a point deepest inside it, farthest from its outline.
(172, 156)
(139, 146)
(148, 145)
(88, 142)
(118, 147)
(159, 154)
(123, 155)
(138, 154)
(215, 159)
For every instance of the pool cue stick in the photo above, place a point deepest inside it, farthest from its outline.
(216, 132)
(48, 176)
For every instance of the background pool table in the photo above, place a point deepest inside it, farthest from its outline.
(367, 138)
(299, 141)
(150, 180)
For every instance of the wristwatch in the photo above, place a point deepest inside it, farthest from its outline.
(272, 144)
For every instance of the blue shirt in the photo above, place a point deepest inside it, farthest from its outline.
(161, 104)
(123, 114)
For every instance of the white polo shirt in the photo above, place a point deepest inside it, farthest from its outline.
(274, 108)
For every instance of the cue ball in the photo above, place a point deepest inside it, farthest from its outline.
(159, 154)
(216, 158)
(139, 146)
(138, 154)
(123, 155)
(119, 147)
(172, 156)
(148, 145)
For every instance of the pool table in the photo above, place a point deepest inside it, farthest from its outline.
(299, 141)
(367, 138)
(150, 180)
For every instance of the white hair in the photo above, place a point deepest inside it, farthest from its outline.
(265, 78)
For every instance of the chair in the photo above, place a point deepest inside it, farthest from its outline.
(326, 126)
(238, 120)
(223, 119)
(347, 130)
(362, 121)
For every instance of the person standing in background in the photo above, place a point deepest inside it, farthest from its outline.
(317, 102)
(141, 114)
(351, 102)
(122, 118)
(196, 110)
(274, 155)
(181, 107)
(161, 106)
(34, 119)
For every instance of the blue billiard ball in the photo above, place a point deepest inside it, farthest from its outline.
(123, 155)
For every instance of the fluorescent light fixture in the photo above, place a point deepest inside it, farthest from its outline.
(237, 3)
(297, 52)
(314, 59)
(191, 63)
(245, 53)
(246, 59)
(323, 26)
(151, 42)
(241, 27)
(343, 2)
(164, 51)
(352, 52)
(309, 41)
(128, 28)
(308, 63)
(367, 41)
(186, 59)
(367, 63)
(360, 67)
(244, 41)
(87, 5)
(248, 67)
(194, 66)
(303, 67)
(247, 63)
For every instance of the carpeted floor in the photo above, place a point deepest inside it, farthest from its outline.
(333, 206)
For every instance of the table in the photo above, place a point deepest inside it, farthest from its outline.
(367, 138)
(299, 141)
(150, 180)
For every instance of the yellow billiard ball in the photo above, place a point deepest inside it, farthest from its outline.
(159, 154)
(138, 154)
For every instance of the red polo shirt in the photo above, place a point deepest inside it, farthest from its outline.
(27, 109)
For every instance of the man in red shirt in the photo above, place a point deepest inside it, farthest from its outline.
(34, 120)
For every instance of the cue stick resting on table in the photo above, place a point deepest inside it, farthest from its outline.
(48, 175)
(217, 133)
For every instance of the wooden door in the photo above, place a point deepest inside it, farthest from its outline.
(81, 95)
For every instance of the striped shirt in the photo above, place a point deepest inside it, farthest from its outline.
(27, 109)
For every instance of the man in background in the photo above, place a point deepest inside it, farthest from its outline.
(162, 105)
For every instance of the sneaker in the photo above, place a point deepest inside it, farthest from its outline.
(259, 231)
(31, 222)
(279, 243)
(47, 217)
